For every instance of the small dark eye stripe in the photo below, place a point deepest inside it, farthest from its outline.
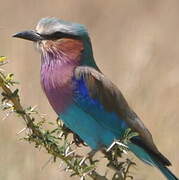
(59, 35)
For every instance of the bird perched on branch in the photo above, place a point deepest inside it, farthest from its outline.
(84, 98)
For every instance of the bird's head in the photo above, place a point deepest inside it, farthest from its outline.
(53, 36)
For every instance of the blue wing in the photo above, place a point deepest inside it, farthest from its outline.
(87, 117)
(101, 99)
(105, 115)
(99, 114)
(93, 107)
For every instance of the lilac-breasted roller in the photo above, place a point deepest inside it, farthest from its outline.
(85, 99)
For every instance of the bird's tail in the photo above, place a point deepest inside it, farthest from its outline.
(166, 172)
(151, 160)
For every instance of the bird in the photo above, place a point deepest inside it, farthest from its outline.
(88, 103)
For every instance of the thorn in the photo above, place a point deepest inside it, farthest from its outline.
(121, 144)
(82, 161)
(21, 131)
(67, 150)
(111, 146)
(9, 105)
(124, 151)
(70, 153)
(118, 143)
(60, 165)
(60, 135)
(7, 115)
(46, 163)
(33, 108)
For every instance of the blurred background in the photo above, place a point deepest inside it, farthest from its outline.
(135, 43)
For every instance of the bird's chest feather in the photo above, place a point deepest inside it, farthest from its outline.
(57, 84)
(59, 59)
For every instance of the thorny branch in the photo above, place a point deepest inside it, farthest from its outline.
(56, 141)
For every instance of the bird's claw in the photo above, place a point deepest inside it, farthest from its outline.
(77, 140)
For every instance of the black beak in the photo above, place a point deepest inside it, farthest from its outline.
(29, 35)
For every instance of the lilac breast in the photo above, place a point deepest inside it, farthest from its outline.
(56, 80)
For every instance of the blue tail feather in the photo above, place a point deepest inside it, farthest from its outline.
(166, 172)
(147, 158)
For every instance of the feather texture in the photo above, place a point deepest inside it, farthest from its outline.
(57, 70)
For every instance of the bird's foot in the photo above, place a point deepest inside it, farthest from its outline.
(90, 156)
(92, 153)
(77, 140)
